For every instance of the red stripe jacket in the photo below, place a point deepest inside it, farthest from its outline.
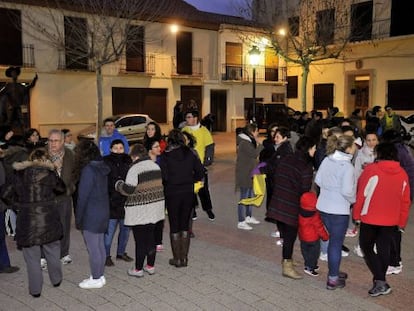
(383, 195)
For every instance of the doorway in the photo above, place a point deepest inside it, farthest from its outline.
(218, 108)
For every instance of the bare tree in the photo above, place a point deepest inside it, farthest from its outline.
(92, 33)
(304, 32)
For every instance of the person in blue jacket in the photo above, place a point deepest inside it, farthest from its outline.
(92, 212)
(108, 135)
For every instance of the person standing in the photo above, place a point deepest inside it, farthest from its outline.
(64, 162)
(383, 202)
(5, 266)
(153, 131)
(180, 169)
(69, 143)
(336, 179)
(118, 162)
(92, 209)
(204, 146)
(292, 177)
(109, 134)
(390, 120)
(33, 191)
(311, 231)
(144, 207)
(248, 149)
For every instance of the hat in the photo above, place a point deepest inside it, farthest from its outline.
(11, 69)
(308, 200)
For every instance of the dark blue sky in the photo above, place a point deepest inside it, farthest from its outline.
(228, 7)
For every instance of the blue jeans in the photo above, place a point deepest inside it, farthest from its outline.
(244, 193)
(336, 226)
(122, 236)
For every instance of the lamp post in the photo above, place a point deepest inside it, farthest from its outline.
(254, 55)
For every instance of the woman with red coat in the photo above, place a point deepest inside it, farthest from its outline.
(311, 230)
(382, 204)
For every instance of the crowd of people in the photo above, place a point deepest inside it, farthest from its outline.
(338, 179)
(325, 179)
(106, 184)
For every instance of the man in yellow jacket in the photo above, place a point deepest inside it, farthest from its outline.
(204, 147)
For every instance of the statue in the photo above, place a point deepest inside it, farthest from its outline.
(13, 96)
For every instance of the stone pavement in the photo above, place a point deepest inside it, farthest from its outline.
(229, 269)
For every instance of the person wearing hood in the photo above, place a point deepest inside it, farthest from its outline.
(110, 133)
(144, 207)
(92, 209)
(119, 162)
(248, 149)
(180, 169)
(383, 203)
(311, 230)
(33, 191)
(336, 179)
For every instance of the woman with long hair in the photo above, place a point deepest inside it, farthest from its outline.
(248, 149)
(292, 177)
(153, 131)
(336, 179)
(92, 210)
(180, 169)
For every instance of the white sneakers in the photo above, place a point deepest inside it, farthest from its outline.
(243, 226)
(358, 251)
(43, 263)
(92, 283)
(323, 256)
(251, 220)
(66, 260)
(135, 272)
(394, 270)
(275, 234)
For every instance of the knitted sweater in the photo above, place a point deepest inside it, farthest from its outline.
(145, 194)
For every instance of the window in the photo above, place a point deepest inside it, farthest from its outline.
(292, 87)
(135, 53)
(184, 53)
(271, 65)
(400, 94)
(234, 56)
(11, 52)
(76, 44)
(401, 18)
(294, 26)
(323, 95)
(325, 25)
(361, 21)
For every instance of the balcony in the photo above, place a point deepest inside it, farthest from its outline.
(244, 73)
(70, 61)
(18, 55)
(144, 64)
(196, 68)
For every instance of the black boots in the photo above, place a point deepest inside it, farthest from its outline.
(180, 244)
(175, 239)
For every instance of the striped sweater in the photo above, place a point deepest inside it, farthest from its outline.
(145, 194)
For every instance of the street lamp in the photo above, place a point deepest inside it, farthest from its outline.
(254, 55)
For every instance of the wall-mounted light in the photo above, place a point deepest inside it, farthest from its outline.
(174, 28)
(282, 32)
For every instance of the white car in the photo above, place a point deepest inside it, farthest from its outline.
(132, 126)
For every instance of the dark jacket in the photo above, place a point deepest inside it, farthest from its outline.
(180, 168)
(33, 192)
(92, 212)
(292, 177)
(119, 165)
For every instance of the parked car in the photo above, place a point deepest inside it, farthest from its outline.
(132, 126)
